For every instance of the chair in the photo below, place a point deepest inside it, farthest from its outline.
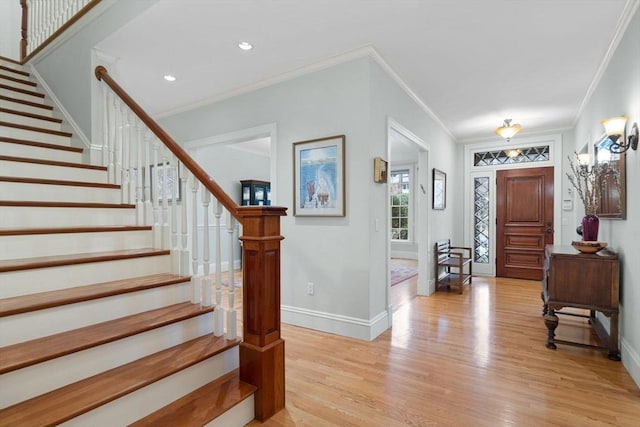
(450, 265)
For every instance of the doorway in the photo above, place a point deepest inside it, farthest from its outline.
(408, 212)
(524, 221)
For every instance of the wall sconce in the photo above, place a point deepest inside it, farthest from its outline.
(507, 130)
(615, 129)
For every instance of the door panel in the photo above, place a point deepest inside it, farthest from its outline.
(524, 216)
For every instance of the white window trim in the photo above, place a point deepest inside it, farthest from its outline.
(412, 201)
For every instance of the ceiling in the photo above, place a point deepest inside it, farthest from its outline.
(471, 63)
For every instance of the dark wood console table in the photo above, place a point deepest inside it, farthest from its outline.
(588, 281)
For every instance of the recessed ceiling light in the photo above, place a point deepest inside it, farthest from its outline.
(245, 45)
(170, 77)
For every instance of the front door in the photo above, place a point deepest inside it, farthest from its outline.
(524, 216)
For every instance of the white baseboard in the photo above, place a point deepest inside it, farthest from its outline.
(631, 361)
(336, 324)
(404, 254)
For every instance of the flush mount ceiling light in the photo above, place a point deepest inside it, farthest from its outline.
(615, 129)
(170, 77)
(245, 45)
(507, 130)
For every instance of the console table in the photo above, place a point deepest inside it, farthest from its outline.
(588, 281)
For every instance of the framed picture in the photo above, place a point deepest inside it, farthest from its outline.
(380, 167)
(439, 189)
(318, 171)
(157, 178)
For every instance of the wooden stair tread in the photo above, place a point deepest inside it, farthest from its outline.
(39, 204)
(62, 260)
(202, 405)
(57, 182)
(40, 144)
(30, 115)
(69, 230)
(17, 79)
(29, 103)
(21, 355)
(12, 70)
(26, 303)
(36, 129)
(43, 300)
(75, 399)
(52, 163)
(25, 91)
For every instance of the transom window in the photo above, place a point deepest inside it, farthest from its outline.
(510, 156)
(400, 203)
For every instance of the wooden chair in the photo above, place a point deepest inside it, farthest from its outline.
(453, 265)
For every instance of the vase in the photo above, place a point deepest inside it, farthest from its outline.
(590, 225)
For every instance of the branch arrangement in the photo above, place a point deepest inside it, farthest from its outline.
(588, 182)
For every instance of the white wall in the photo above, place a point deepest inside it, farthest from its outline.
(10, 21)
(67, 69)
(617, 93)
(344, 257)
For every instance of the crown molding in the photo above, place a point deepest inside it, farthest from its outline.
(629, 10)
(361, 52)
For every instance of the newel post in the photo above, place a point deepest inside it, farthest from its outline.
(262, 349)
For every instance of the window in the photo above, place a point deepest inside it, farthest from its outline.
(400, 200)
(514, 155)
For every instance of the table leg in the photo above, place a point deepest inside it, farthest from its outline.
(551, 321)
(614, 352)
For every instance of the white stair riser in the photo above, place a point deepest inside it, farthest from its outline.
(38, 379)
(23, 96)
(58, 193)
(25, 108)
(31, 135)
(38, 245)
(142, 402)
(17, 216)
(15, 283)
(37, 170)
(28, 121)
(240, 415)
(32, 152)
(17, 85)
(37, 324)
(12, 65)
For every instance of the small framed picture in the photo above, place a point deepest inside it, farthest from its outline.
(439, 190)
(157, 179)
(380, 168)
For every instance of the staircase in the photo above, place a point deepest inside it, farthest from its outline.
(95, 330)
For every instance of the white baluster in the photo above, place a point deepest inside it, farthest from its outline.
(148, 206)
(162, 192)
(175, 183)
(231, 225)
(105, 126)
(111, 167)
(195, 279)
(206, 280)
(133, 149)
(184, 252)
(218, 312)
(125, 182)
(140, 142)
(157, 228)
(232, 327)
(118, 141)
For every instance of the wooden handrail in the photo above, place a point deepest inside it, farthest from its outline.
(103, 75)
(24, 58)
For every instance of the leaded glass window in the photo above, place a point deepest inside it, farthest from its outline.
(511, 156)
(481, 220)
(400, 200)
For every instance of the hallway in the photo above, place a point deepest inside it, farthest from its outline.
(476, 359)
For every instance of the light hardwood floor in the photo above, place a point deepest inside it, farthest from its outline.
(476, 359)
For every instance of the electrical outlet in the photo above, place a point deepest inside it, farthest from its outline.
(310, 288)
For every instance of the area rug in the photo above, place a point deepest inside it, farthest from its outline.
(400, 273)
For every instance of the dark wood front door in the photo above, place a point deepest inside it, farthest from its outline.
(524, 221)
